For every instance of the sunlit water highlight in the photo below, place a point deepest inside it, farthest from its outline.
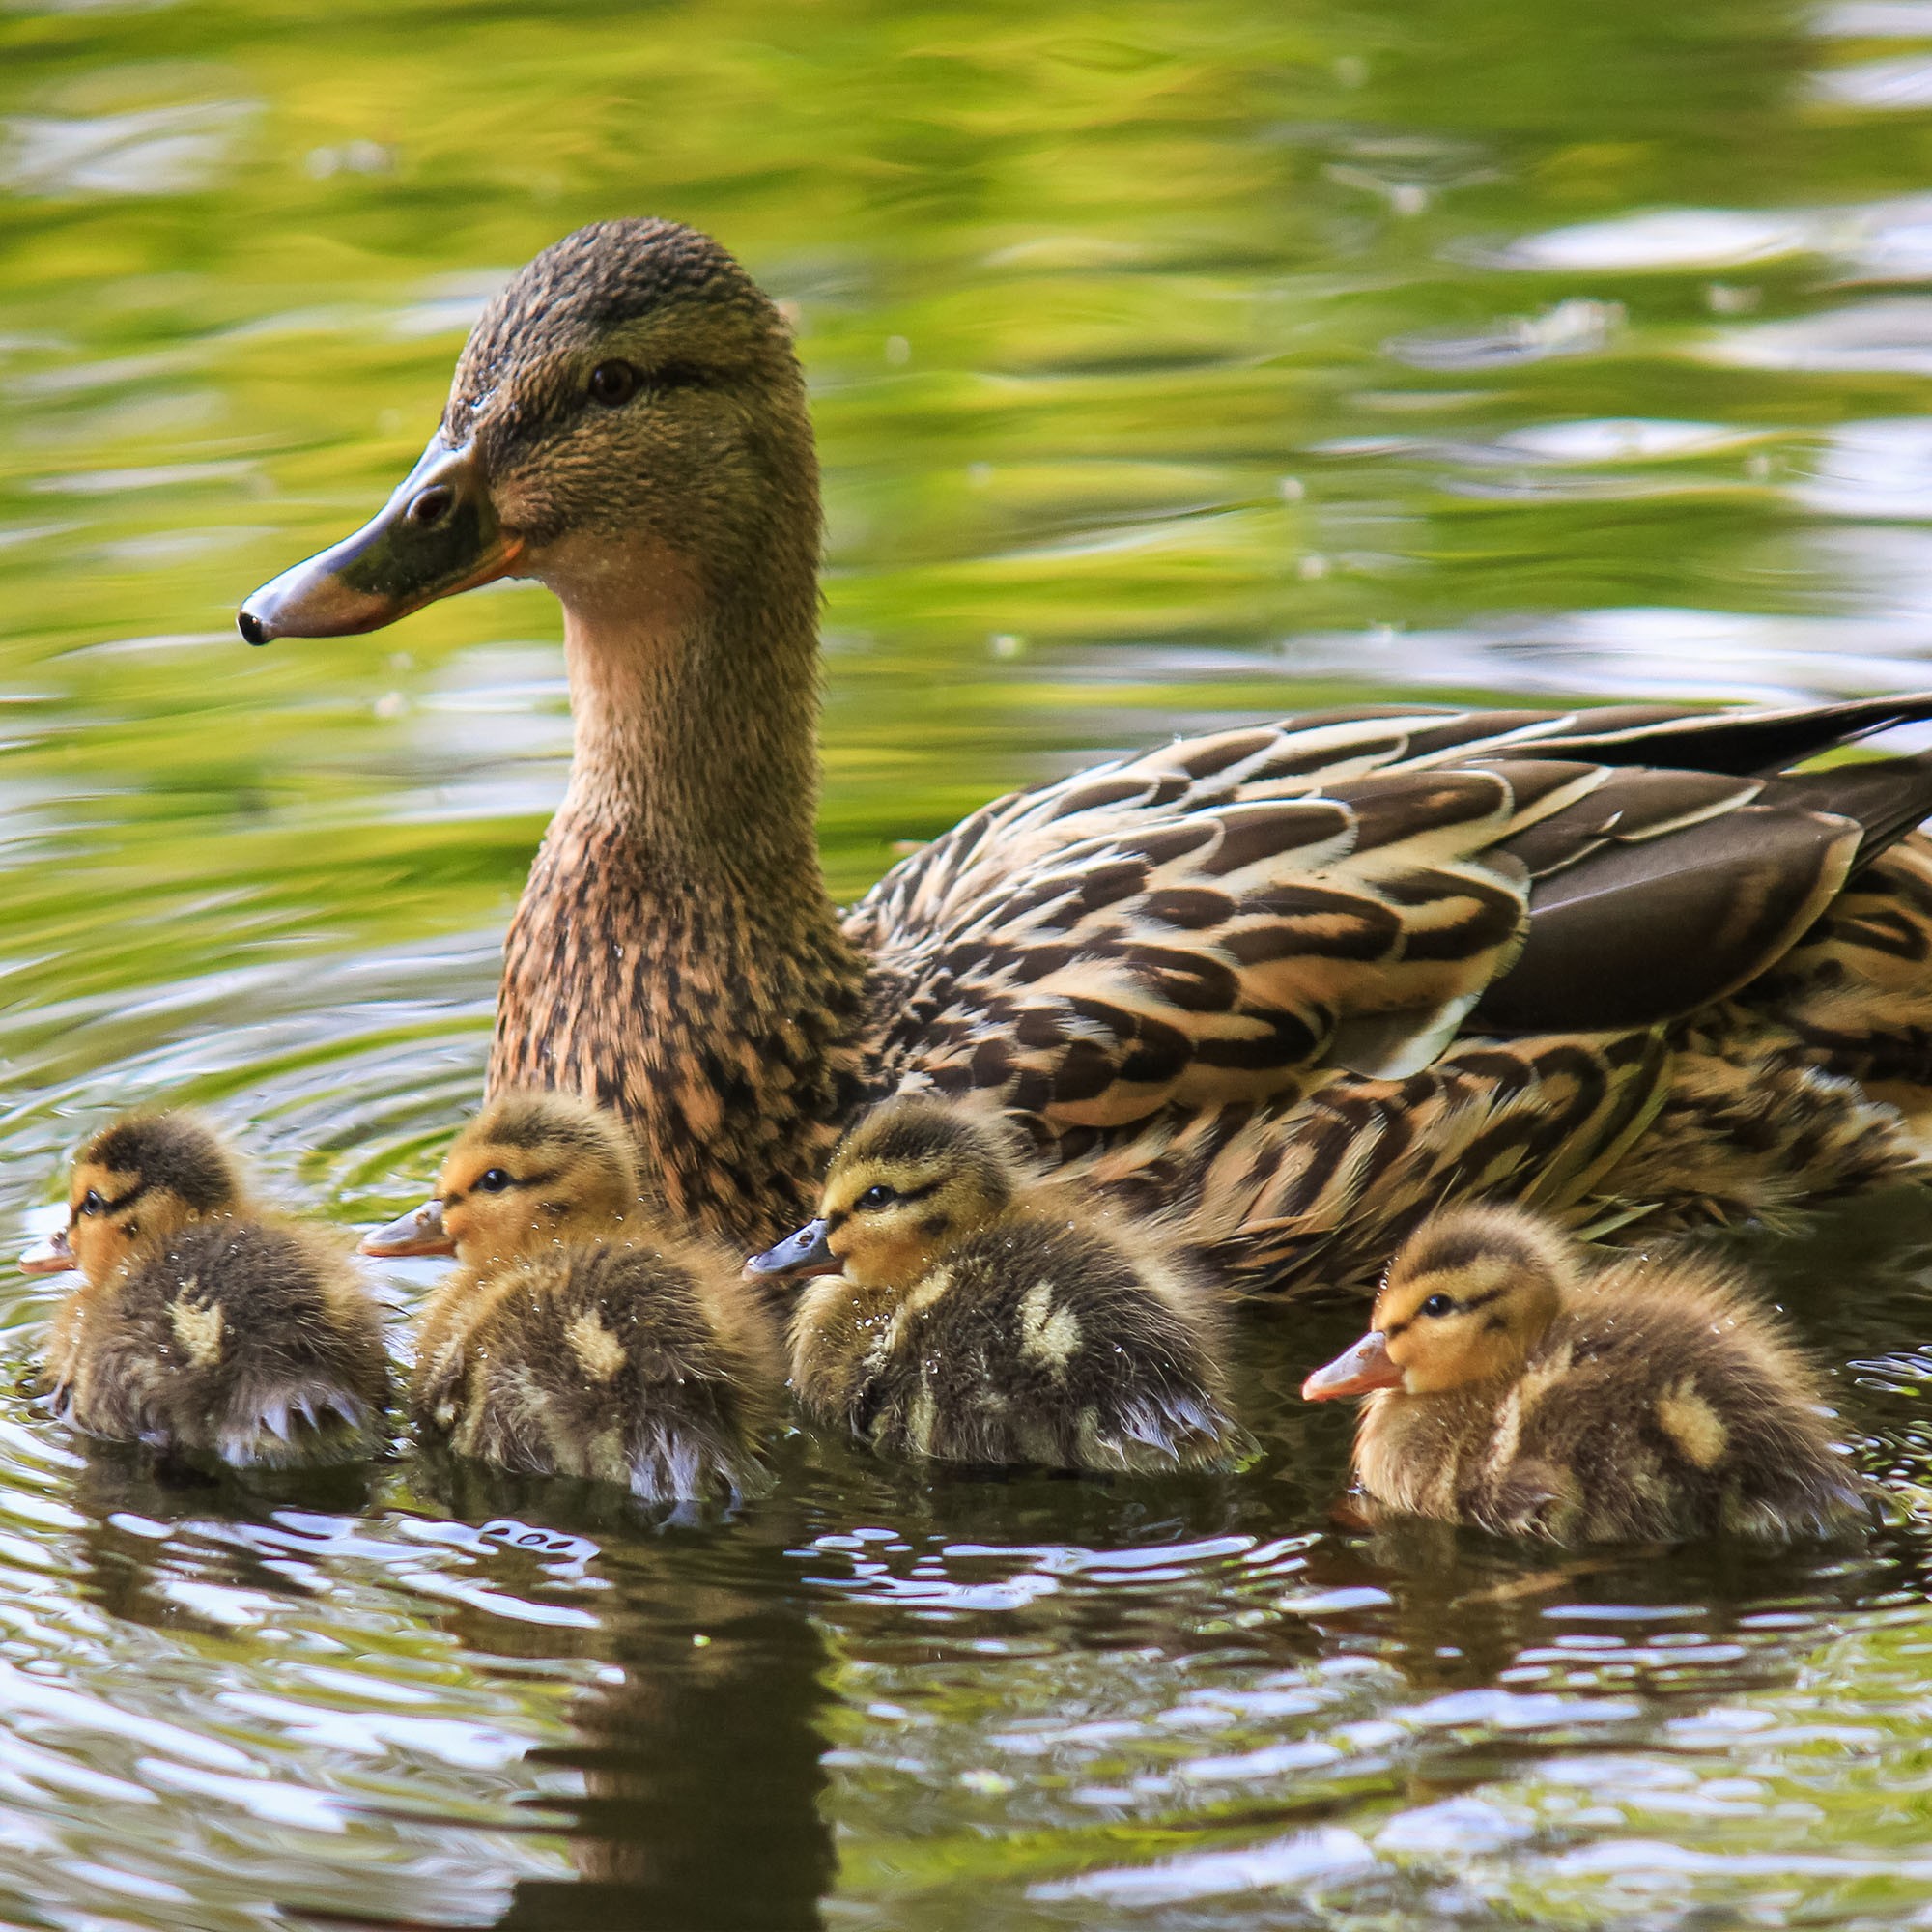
(1173, 366)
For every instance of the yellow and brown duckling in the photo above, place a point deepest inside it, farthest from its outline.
(961, 1310)
(203, 1326)
(576, 1337)
(1513, 1390)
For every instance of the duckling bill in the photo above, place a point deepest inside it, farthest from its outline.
(955, 1308)
(576, 1336)
(1509, 1389)
(202, 1325)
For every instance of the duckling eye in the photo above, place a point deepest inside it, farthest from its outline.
(880, 1196)
(1437, 1305)
(613, 384)
(91, 1203)
(494, 1181)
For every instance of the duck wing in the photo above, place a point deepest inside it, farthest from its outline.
(1321, 1188)
(1204, 923)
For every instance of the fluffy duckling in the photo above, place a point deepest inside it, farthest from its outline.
(967, 1313)
(202, 1325)
(575, 1338)
(1509, 1389)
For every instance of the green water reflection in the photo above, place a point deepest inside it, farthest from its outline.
(1171, 365)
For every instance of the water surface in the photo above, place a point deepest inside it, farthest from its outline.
(1173, 366)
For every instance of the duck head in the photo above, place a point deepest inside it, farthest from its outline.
(1465, 1301)
(913, 1177)
(627, 423)
(134, 1186)
(532, 1172)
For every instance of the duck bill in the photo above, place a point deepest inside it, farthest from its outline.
(51, 1256)
(438, 536)
(805, 1253)
(419, 1232)
(1357, 1371)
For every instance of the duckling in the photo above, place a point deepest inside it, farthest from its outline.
(202, 1324)
(967, 1313)
(1509, 1389)
(576, 1337)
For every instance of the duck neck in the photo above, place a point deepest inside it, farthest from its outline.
(696, 748)
(675, 953)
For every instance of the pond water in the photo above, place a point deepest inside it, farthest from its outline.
(1172, 365)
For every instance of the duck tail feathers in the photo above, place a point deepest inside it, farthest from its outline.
(1741, 744)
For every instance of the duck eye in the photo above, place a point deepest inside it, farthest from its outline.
(612, 383)
(880, 1196)
(1437, 1305)
(91, 1203)
(494, 1181)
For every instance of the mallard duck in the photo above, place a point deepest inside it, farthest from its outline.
(576, 1337)
(959, 1310)
(202, 1324)
(1296, 984)
(1510, 1388)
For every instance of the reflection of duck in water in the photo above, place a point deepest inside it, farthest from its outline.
(699, 1742)
(1509, 1389)
(1254, 978)
(965, 1312)
(201, 1323)
(576, 1338)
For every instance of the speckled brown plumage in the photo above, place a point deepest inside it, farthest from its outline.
(1318, 1192)
(731, 1045)
(1258, 919)
(1650, 1398)
(1852, 995)
(1748, 1128)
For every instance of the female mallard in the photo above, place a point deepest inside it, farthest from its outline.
(960, 1311)
(575, 1338)
(1512, 1389)
(200, 1323)
(1299, 982)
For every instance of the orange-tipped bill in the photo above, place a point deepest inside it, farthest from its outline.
(1356, 1370)
(50, 1255)
(419, 1232)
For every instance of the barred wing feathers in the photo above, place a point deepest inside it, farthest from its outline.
(1322, 1190)
(1200, 925)
(1203, 960)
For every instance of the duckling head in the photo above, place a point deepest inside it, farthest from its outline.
(1465, 1301)
(136, 1185)
(532, 1170)
(627, 423)
(914, 1176)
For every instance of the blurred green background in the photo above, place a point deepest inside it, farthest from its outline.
(1173, 364)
